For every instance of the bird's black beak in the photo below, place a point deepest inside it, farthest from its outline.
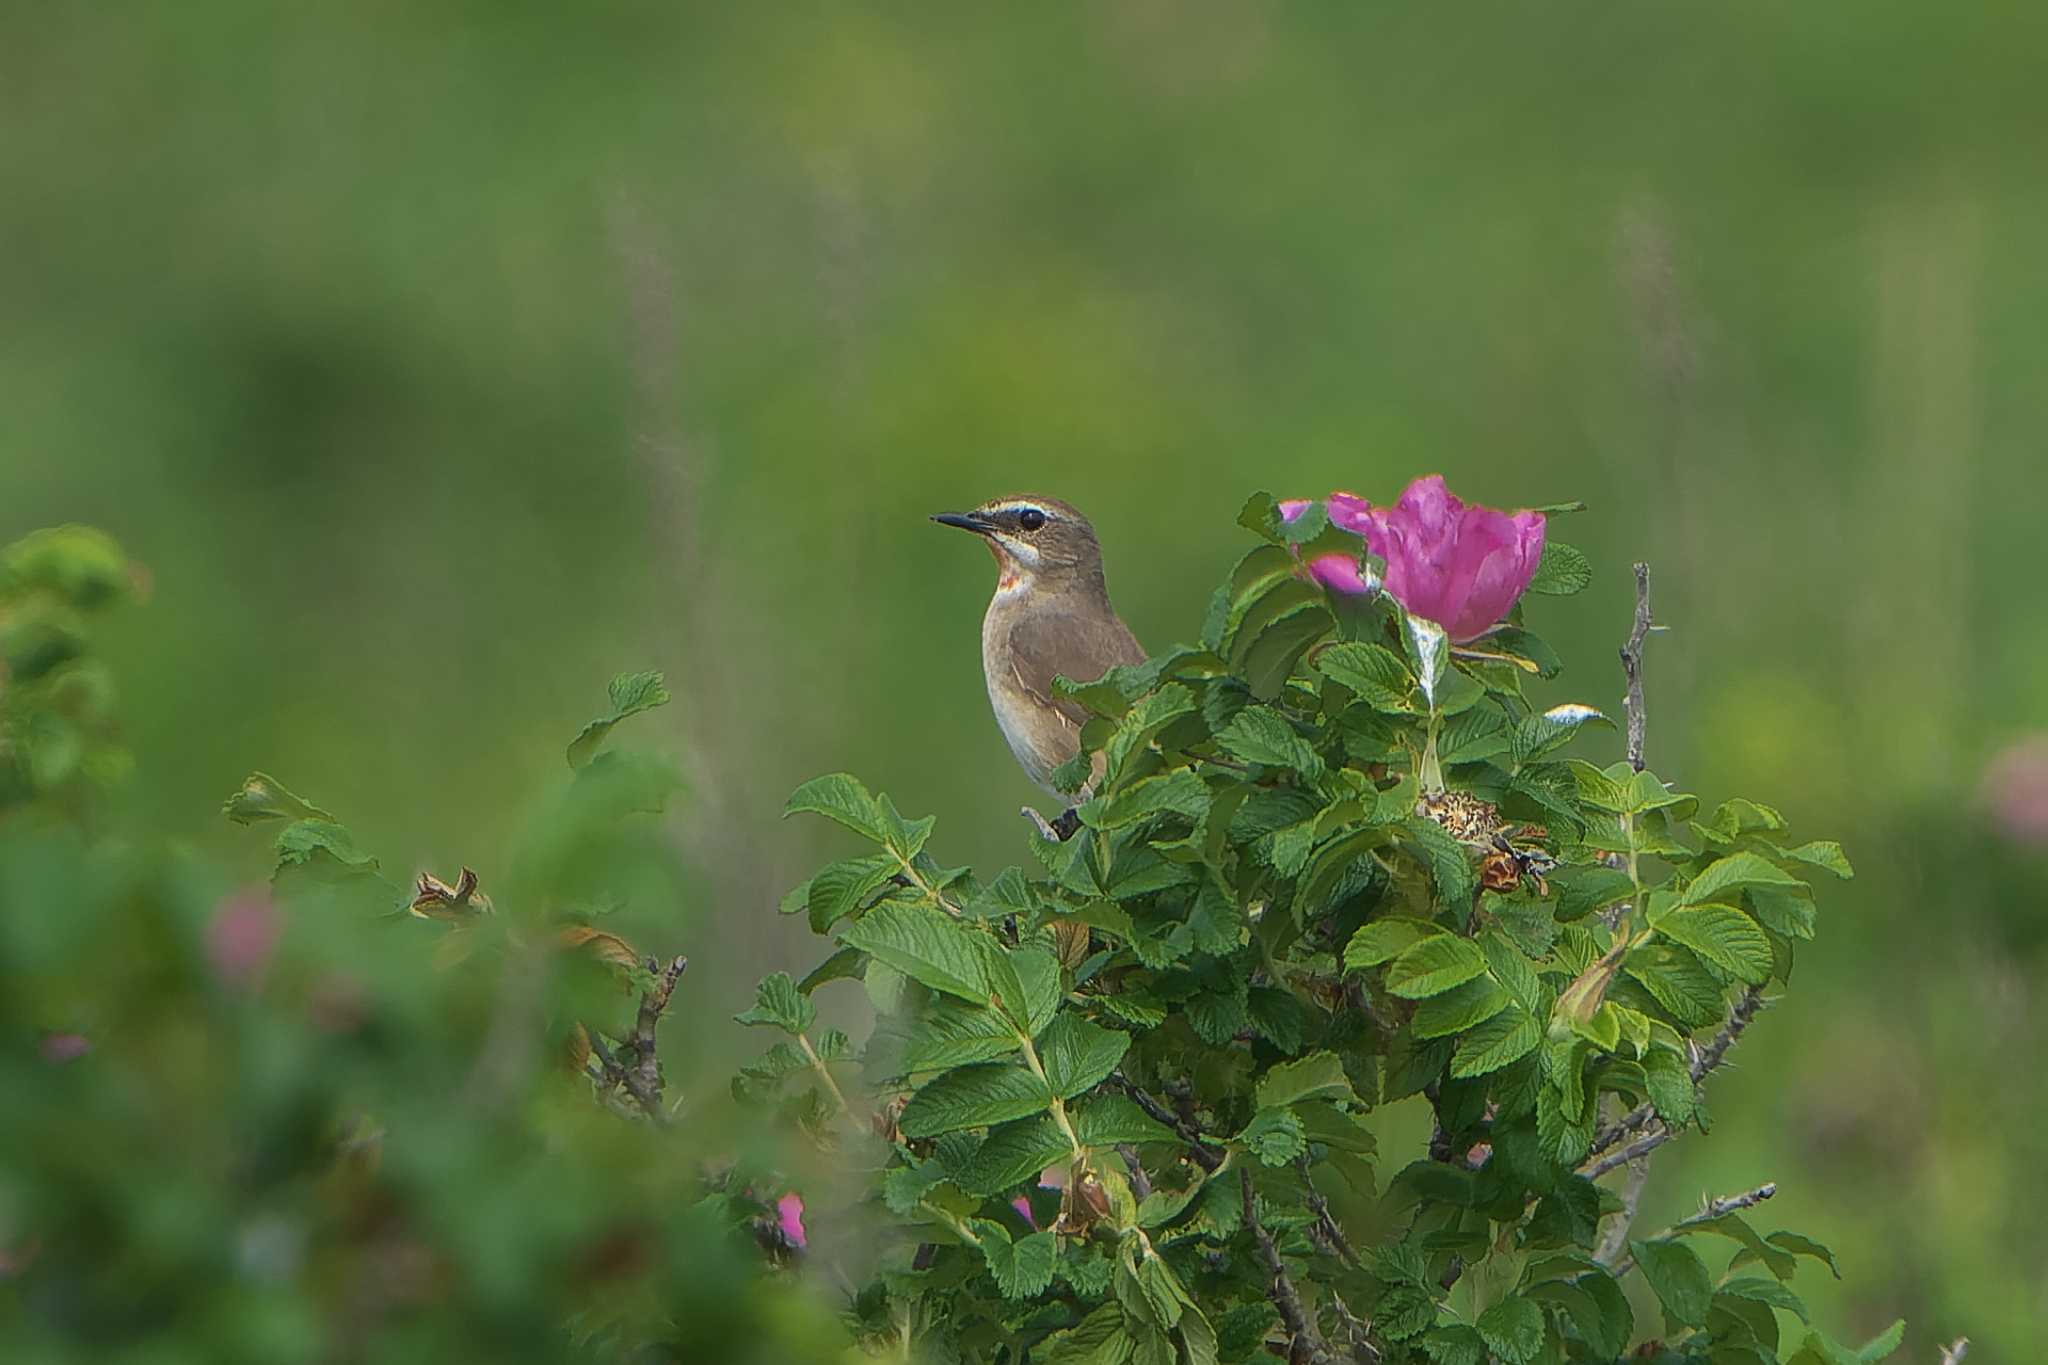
(981, 526)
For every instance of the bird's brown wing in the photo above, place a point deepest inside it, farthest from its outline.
(1044, 644)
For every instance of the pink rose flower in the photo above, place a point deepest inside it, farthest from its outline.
(1460, 565)
(789, 1219)
(59, 1048)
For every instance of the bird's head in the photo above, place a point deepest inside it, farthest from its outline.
(1034, 539)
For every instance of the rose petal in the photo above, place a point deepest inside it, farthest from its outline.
(789, 1218)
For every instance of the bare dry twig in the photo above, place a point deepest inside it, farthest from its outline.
(1637, 719)
(1711, 1209)
(638, 1073)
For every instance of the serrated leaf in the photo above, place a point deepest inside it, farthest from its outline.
(1677, 981)
(926, 945)
(1549, 731)
(1263, 736)
(1373, 673)
(1724, 876)
(1800, 1245)
(1318, 1076)
(1179, 792)
(1562, 571)
(1279, 643)
(1026, 982)
(1502, 1040)
(1274, 1136)
(777, 1004)
(1078, 1055)
(1514, 972)
(262, 797)
(1386, 939)
(1669, 1082)
(1617, 1319)
(1099, 1339)
(1109, 1119)
(974, 1097)
(304, 842)
(1725, 937)
(1824, 853)
(1014, 1154)
(1679, 1278)
(1582, 890)
(841, 797)
(1021, 1268)
(1513, 1329)
(1216, 1017)
(1433, 966)
(1449, 862)
(952, 1035)
(631, 693)
(842, 887)
(1459, 1008)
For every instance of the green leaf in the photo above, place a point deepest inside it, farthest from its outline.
(1725, 937)
(307, 842)
(1109, 1119)
(1100, 1339)
(1455, 1345)
(1676, 980)
(263, 797)
(1429, 653)
(1562, 571)
(1617, 1319)
(1502, 1040)
(1020, 1268)
(1027, 981)
(1883, 1344)
(1551, 730)
(1179, 792)
(1766, 1292)
(974, 1097)
(1669, 1082)
(1679, 1278)
(1515, 972)
(1459, 1008)
(843, 798)
(777, 1004)
(842, 965)
(844, 886)
(1433, 966)
(926, 945)
(1318, 1076)
(953, 1035)
(1280, 643)
(1513, 1328)
(1782, 911)
(1824, 853)
(1142, 724)
(1805, 1246)
(1373, 673)
(1582, 890)
(631, 693)
(1078, 1055)
(1449, 862)
(1013, 1155)
(1738, 870)
(1274, 1136)
(1262, 735)
(1386, 939)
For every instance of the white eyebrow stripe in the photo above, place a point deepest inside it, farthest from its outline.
(1021, 505)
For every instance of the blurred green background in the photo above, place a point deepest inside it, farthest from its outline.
(441, 360)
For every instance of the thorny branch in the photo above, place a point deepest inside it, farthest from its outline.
(1709, 1211)
(1643, 1118)
(638, 1070)
(1326, 1224)
(1305, 1344)
(1201, 1147)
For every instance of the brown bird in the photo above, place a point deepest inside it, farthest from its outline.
(1050, 617)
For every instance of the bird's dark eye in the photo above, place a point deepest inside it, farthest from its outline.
(1030, 519)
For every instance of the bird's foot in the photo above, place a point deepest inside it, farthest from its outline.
(1054, 831)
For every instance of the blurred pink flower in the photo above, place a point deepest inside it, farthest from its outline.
(242, 935)
(2015, 789)
(59, 1048)
(789, 1219)
(1461, 566)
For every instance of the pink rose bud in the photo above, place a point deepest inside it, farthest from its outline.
(2015, 790)
(241, 936)
(1023, 1206)
(789, 1219)
(1461, 566)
